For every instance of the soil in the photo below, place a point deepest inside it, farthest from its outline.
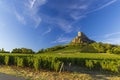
(9, 77)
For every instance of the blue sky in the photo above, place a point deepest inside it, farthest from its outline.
(40, 24)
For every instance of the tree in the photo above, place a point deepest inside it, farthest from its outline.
(3, 51)
(23, 50)
(41, 51)
(116, 50)
(99, 47)
(16, 50)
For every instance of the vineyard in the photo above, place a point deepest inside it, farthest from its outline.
(56, 62)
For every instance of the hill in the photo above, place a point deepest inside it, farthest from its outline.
(81, 43)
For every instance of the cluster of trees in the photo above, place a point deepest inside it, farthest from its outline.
(3, 51)
(97, 48)
(18, 50)
(100, 48)
(23, 50)
(85, 48)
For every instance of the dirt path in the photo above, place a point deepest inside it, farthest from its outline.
(9, 77)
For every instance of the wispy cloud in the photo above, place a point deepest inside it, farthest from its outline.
(78, 6)
(77, 17)
(36, 3)
(67, 15)
(74, 11)
(32, 7)
(29, 12)
(48, 31)
(62, 39)
(107, 4)
(37, 20)
(65, 26)
(102, 6)
(60, 23)
(32, 2)
(112, 34)
(112, 40)
(20, 18)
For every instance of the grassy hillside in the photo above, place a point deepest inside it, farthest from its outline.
(69, 49)
(84, 48)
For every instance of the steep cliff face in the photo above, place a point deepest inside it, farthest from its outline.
(82, 38)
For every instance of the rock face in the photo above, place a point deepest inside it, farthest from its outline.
(82, 38)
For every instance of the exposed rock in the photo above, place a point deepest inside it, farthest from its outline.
(82, 38)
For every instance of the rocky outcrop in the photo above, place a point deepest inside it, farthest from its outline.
(82, 38)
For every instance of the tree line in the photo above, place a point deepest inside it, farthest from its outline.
(83, 48)
(18, 50)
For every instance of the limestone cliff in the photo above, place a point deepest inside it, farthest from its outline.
(82, 38)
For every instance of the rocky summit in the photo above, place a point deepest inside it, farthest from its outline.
(82, 38)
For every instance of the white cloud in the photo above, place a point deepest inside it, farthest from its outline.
(65, 26)
(37, 21)
(103, 6)
(78, 6)
(61, 23)
(48, 31)
(107, 4)
(112, 40)
(36, 3)
(31, 8)
(20, 18)
(62, 40)
(32, 2)
(83, 7)
(77, 17)
(76, 11)
(81, 10)
(112, 34)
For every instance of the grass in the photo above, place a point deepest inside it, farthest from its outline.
(69, 49)
(30, 74)
(83, 55)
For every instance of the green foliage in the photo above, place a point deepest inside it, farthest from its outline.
(57, 66)
(16, 50)
(6, 60)
(2, 57)
(23, 51)
(3, 51)
(89, 64)
(110, 65)
(83, 48)
(36, 63)
(116, 50)
(41, 51)
(55, 48)
(109, 51)
(88, 48)
(99, 47)
(20, 62)
(48, 61)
